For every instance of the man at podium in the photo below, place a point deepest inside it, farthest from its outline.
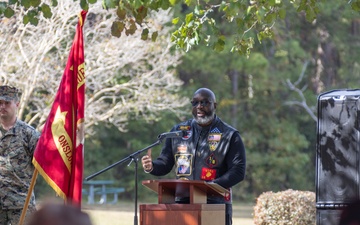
(209, 150)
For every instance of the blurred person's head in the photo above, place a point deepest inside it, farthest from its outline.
(351, 214)
(59, 214)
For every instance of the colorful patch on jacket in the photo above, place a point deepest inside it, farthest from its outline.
(183, 164)
(211, 161)
(182, 148)
(188, 131)
(208, 174)
(214, 138)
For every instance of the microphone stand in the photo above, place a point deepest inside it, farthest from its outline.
(133, 158)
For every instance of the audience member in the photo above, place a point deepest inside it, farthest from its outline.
(59, 214)
(351, 214)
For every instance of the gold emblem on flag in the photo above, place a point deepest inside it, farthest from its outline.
(61, 138)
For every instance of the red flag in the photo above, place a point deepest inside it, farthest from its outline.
(59, 153)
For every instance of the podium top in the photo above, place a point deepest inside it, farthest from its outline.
(173, 185)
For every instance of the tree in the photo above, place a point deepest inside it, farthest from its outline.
(198, 26)
(125, 77)
(275, 90)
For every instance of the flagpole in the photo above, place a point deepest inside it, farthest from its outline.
(31, 188)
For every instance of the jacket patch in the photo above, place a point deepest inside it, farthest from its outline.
(208, 174)
(213, 140)
(183, 164)
(182, 148)
(211, 161)
(188, 131)
(183, 127)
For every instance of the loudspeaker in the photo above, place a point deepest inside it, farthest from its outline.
(328, 216)
(337, 153)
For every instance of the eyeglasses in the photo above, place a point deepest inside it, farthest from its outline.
(202, 103)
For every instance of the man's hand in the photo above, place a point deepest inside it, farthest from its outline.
(147, 162)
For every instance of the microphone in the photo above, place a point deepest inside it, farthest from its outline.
(175, 134)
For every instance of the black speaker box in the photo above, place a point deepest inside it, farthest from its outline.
(337, 153)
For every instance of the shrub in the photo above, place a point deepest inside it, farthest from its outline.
(285, 207)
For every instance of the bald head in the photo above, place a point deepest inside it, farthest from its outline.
(206, 93)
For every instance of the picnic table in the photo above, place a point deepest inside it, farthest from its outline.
(102, 188)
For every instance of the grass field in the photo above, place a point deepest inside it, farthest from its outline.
(124, 214)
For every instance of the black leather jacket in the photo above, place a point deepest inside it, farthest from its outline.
(214, 153)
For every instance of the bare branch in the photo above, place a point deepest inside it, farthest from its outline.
(300, 92)
(124, 76)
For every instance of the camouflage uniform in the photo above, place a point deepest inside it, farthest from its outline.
(16, 170)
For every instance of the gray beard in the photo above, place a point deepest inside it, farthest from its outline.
(205, 120)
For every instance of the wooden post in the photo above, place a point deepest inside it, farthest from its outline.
(31, 188)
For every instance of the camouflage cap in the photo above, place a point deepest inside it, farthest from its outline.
(8, 93)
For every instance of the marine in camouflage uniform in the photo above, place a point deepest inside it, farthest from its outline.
(17, 144)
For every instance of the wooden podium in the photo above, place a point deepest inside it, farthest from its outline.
(197, 212)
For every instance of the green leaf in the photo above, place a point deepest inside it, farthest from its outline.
(188, 2)
(302, 6)
(195, 39)
(173, 2)
(26, 19)
(121, 13)
(310, 15)
(239, 22)
(25, 3)
(141, 14)
(165, 4)
(189, 18)
(103, 3)
(219, 45)
(9, 12)
(137, 4)
(197, 9)
(223, 7)
(145, 34)
(46, 10)
(270, 17)
(154, 36)
(282, 13)
(54, 3)
(35, 3)
(271, 2)
(355, 6)
(250, 9)
(260, 36)
(92, 1)
(12, 2)
(34, 21)
(84, 5)
(132, 28)
(110, 4)
(175, 20)
(3, 6)
(116, 28)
